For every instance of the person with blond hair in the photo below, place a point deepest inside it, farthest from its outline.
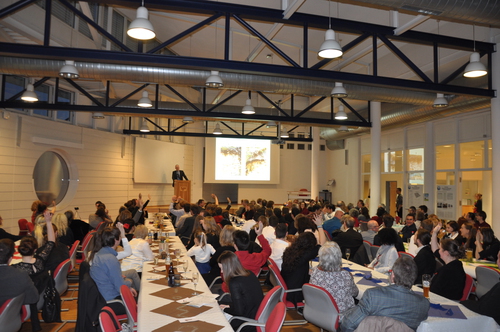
(64, 233)
(141, 251)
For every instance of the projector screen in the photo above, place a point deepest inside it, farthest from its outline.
(236, 160)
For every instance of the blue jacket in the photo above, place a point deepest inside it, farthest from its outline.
(106, 273)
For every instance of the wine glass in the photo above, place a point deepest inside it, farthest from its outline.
(195, 277)
(348, 253)
(177, 253)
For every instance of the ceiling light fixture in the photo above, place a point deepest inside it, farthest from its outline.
(339, 91)
(141, 28)
(97, 115)
(145, 101)
(30, 94)
(475, 68)
(284, 132)
(440, 101)
(144, 127)
(69, 70)
(187, 119)
(248, 108)
(217, 130)
(271, 124)
(214, 80)
(330, 48)
(340, 115)
(343, 129)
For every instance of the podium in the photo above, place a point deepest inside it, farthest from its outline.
(182, 188)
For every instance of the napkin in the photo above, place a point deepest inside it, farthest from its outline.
(445, 311)
(189, 326)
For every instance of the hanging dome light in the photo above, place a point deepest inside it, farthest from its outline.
(440, 101)
(187, 119)
(217, 130)
(144, 127)
(145, 101)
(69, 70)
(97, 115)
(341, 115)
(214, 80)
(475, 68)
(30, 94)
(284, 132)
(339, 91)
(271, 124)
(248, 108)
(330, 48)
(141, 28)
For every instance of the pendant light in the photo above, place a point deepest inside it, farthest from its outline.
(69, 70)
(271, 124)
(97, 115)
(145, 101)
(187, 119)
(141, 28)
(217, 130)
(330, 48)
(214, 80)
(144, 127)
(475, 68)
(340, 115)
(339, 91)
(284, 132)
(440, 101)
(248, 108)
(30, 94)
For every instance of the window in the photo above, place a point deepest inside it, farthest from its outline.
(301, 146)
(51, 177)
(64, 97)
(322, 147)
(290, 146)
(472, 155)
(392, 161)
(43, 92)
(61, 11)
(415, 160)
(445, 156)
(83, 26)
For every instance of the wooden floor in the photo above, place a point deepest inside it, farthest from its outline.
(70, 315)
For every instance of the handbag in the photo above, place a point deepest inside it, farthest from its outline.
(51, 310)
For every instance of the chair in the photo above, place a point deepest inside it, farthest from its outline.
(276, 318)
(439, 264)
(24, 227)
(130, 305)
(85, 246)
(401, 253)
(10, 314)
(469, 282)
(320, 307)
(328, 235)
(277, 280)
(486, 278)
(108, 320)
(368, 249)
(72, 255)
(61, 276)
(266, 306)
(374, 249)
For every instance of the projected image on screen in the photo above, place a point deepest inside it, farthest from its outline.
(242, 159)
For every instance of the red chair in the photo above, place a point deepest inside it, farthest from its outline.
(72, 255)
(368, 249)
(277, 280)
(469, 282)
(328, 235)
(130, 305)
(320, 307)
(374, 249)
(401, 253)
(10, 314)
(85, 246)
(108, 320)
(25, 227)
(276, 319)
(266, 306)
(61, 276)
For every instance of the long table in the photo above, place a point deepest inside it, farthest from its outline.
(150, 321)
(474, 321)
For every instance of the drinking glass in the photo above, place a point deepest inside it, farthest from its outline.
(195, 277)
(426, 284)
(177, 253)
(348, 253)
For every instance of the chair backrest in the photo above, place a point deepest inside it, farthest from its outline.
(10, 314)
(368, 249)
(130, 304)
(439, 264)
(72, 255)
(328, 235)
(486, 277)
(374, 249)
(320, 307)
(108, 320)
(61, 276)
(23, 227)
(401, 253)
(276, 278)
(267, 305)
(276, 318)
(86, 242)
(468, 287)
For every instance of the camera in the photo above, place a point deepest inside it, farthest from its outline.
(77, 208)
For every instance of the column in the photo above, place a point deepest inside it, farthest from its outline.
(495, 141)
(376, 131)
(315, 163)
(429, 168)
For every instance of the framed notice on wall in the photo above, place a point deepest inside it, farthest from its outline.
(445, 201)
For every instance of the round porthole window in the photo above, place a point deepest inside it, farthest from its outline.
(51, 177)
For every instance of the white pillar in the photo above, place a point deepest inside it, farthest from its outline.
(429, 168)
(198, 144)
(495, 141)
(376, 131)
(315, 163)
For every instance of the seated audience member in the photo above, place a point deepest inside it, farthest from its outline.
(184, 232)
(481, 220)
(98, 217)
(468, 232)
(212, 231)
(379, 215)
(328, 212)
(423, 209)
(333, 224)
(6, 235)
(226, 244)
(329, 275)
(129, 227)
(453, 231)
(175, 209)
(202, 251)
(244, 287)
(249, 224)
(396, 301)
(141, 251)
(269, 230)
(78, 227)
(64, 233)
(449, 280)
(250, 261)
(369, 235)
(105, 268)
(180, 221)
(226, 221)
(364, 214)
(425, 224)
(410, 227)
(350, 239)
(388, 221)
(488, 303)
(279, 245)
(295, 267)
(355, 214)
(290, 219)
(59, 253)
(487, 245)
(425, 260)
(303, 208)
(305, 224)
(387, 253)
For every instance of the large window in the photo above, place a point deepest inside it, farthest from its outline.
(445, 156)
(392, 161)
(472, 155)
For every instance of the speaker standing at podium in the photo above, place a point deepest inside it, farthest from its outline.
(178, 175)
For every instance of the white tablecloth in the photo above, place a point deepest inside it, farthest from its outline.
(149, 321)
(470, 268)
(474, 322)
(167, 223)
